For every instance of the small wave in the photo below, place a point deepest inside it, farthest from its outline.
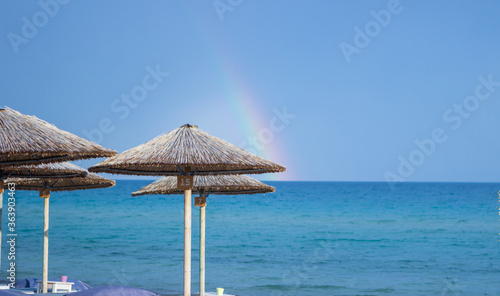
(379, 290)
(382, 221)
(359, 240)
(288, 288)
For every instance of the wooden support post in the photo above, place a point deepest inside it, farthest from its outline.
(45, 194)
(202, 250)
(187, 237)
(187, 242)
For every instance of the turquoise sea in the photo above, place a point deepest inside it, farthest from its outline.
(308, 238)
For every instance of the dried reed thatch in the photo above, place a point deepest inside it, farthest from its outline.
(212, 184)
(26, 139)
(187, 146)
(45, 170)
(91, 181)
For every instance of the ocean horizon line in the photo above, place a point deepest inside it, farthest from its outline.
(323, 181)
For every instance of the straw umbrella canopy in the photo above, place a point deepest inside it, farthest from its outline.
(186, 147)
(91, 181)
(206, 185)
(210, 184)
(45, 186)
(26, 139)
(184, 152)
(44, 170)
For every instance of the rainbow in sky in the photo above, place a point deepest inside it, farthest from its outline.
(244, 105)
(251, 121)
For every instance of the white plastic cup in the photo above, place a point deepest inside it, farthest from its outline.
(64, 278)
(220, 291)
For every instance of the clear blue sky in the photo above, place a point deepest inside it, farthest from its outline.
(334, 90)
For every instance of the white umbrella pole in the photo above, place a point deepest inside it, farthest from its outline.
(187, 242)
(202, 251)
(45, 195)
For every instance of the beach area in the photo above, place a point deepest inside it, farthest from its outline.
(249, 148)
(308, 238)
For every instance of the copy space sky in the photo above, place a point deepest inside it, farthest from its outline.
(334, 90)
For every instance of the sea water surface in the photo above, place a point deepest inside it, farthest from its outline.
(307, 238)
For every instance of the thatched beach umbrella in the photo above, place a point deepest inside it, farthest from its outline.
(184, 152)
(210, 184)
(26, 139)
(45, 186)
(206, 185)
(44, 170)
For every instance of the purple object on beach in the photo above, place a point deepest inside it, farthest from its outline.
(32, 283)
(8, 292)
(114, 291)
